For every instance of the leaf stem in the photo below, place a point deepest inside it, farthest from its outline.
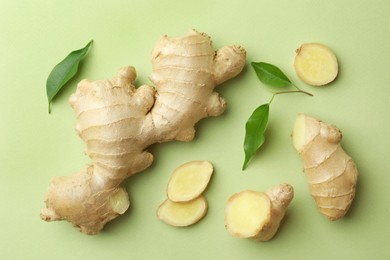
(300, 90)
(289, 92)
(293, 91)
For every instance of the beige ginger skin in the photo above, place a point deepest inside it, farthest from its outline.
(330, 171)
(118, 122)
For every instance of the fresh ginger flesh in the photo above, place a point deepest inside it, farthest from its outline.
(330, 171)
(119, 201)
(118, 122)
(257, 215)
(182, 214)
(316, 64)
(189, 180)
(247, 212)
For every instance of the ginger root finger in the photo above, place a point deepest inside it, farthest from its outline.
(257, 215)
(316, 64)
(118, 122)
(189, 180)
(182, 214)
(330, 171)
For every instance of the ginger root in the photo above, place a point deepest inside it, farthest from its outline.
(315, 64)
(331, 173)
(118, 122)
(257, 215)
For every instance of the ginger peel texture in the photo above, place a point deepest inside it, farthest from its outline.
(331, 173)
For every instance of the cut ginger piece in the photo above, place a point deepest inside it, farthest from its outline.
(316, 64)
(182, 214)
(257, 215)
(189, 180)
(119, 201)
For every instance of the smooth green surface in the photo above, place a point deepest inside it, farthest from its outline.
(36, 146)
(255, 129)
(270, 74)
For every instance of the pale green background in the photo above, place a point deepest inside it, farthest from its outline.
(36, 146)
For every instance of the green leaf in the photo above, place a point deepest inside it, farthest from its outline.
(63, 72)
(270, 74)
(254, 132)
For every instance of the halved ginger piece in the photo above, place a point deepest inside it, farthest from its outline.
(182, 214)
(257, 215)
(189, 180)
(316, 64)
(246, 213)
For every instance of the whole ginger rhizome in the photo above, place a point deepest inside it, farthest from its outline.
(118, 122)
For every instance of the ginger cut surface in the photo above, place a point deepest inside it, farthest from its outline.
(257, 215)
(182, 214)
(316, 64)
(118, 122)
(331, 173)
(189, 180)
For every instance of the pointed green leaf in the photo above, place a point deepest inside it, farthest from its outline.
(254, 132)
(63, 72)
(270, 74)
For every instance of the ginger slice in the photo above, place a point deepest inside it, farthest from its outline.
(182, 214)
(189, 181)
(316, 64)
(257, 215)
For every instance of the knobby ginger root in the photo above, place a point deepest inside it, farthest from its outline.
(189, 181)
(331, 173)
(257, 215)
(118, 122)
(182, 214)
(316, 64)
